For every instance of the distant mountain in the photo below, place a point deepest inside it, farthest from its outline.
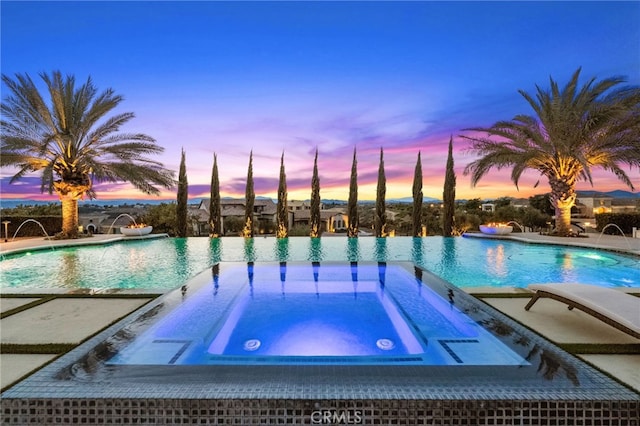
(618, 193)
(410, 200)
(7, 203)
(13, 203)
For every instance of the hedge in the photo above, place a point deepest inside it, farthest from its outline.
(51, 224)
(626, 221)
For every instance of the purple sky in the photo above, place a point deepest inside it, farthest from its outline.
(231, 77)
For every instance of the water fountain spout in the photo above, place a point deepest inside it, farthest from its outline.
(516, 223)
(619, 229)
(119, 216)
(41, 227)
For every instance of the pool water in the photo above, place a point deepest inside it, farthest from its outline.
(166, 263)
(313, 313)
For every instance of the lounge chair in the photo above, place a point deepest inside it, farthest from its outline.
(614, 307)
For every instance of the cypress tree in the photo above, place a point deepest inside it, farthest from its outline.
(215, 215)
(417, 199)
(449, 195)
(380, 220)
(183, 194)
(315, 200)
(283, 213)
(249, 200)
(352, 206)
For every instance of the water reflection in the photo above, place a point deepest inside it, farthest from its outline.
(417, 255)
(70, 269)
(381, 250)
(316, 276)
(566, 262)
(250, 275)
(283, 276)
(282, 249)
(353, 249)
(215, 250)
(354, 277)
(496, 260)
(315, 249)
(215, 273)
(249, 250)
(448, 257)
(550, 364)
(182, 260)
(382, 271)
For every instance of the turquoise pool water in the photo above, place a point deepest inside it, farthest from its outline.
(167, 263)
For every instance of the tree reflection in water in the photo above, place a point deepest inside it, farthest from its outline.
(550, 364)
(91, 363)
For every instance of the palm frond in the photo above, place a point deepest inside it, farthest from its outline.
(73, 137)
(575, 129)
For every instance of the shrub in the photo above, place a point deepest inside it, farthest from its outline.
(299, 231)
(51, 224)
(625, 221)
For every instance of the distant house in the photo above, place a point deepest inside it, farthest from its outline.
(264, 211)
(295, 205)
(329, 219)
(93, 223)
(488, 207)
(265, 214)
(520, 203)
(591, 203)
(109, 221)
(201, 220)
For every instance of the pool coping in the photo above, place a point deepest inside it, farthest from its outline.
(32, 244)
(534, 238)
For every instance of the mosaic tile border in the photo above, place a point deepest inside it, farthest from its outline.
(309, 412)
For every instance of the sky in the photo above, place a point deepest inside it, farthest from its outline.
(232, 78)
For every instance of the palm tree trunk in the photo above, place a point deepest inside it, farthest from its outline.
(69, 194)
(69, 217)
(563, 197)
(563, 218)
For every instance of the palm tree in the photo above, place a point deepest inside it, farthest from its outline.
(574, 131)
(73, 143)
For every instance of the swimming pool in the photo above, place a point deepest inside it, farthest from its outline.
(313, 313)
(166, 263)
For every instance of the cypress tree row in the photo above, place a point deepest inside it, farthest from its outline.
(449, 195)
(380, 219)
(352, 206)
(249, 198)
(283, 214)
(215, 215)
(417, 199)
(315, 200)
(183, 194)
